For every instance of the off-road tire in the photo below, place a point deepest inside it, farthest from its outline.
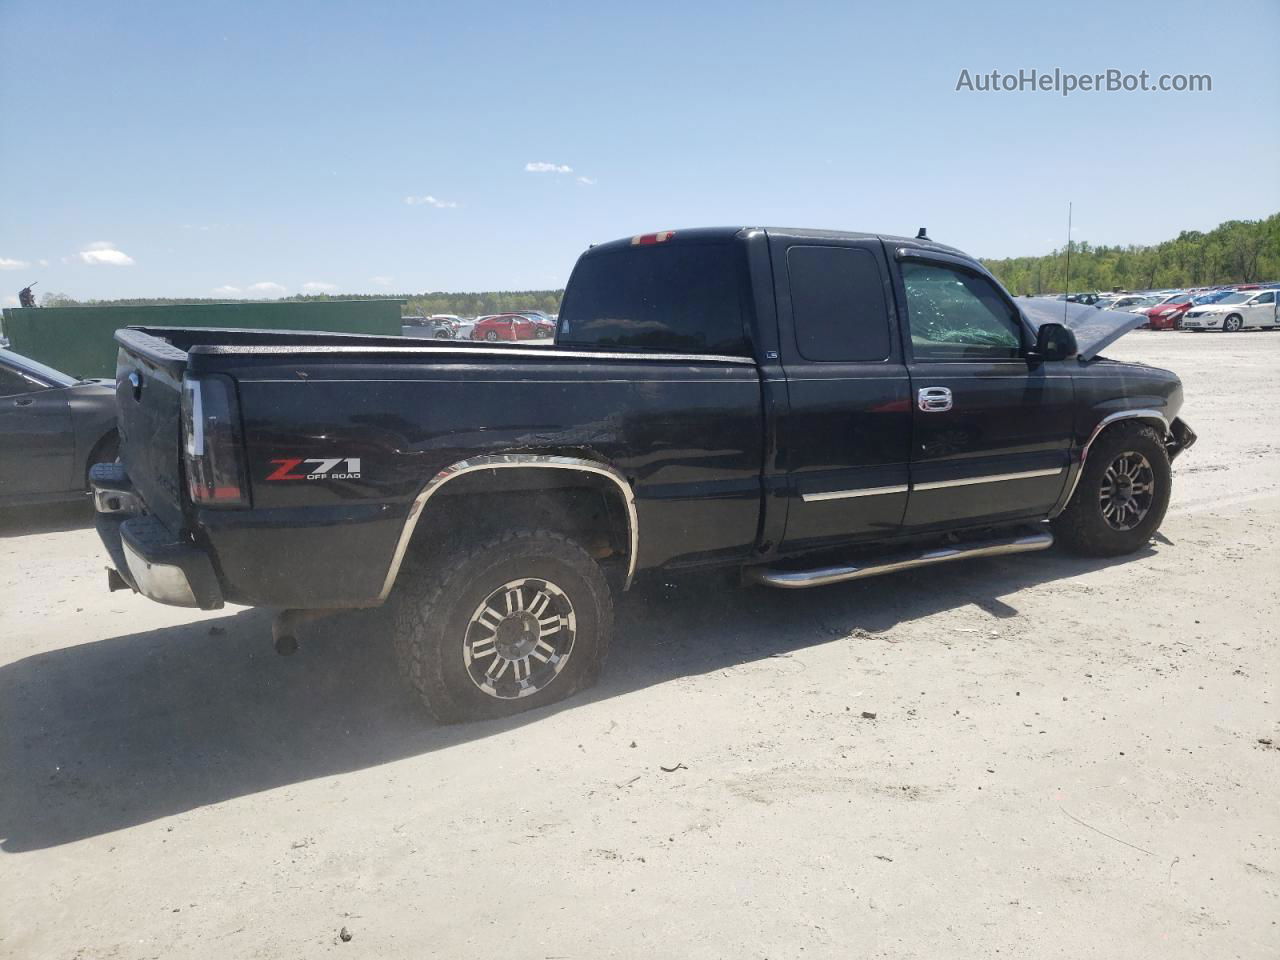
(435, 599)
(1229, 327)
(1081, 527)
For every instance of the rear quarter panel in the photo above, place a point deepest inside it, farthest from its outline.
(688, 437)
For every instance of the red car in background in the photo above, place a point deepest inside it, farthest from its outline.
(511, 326)
(1167, 314)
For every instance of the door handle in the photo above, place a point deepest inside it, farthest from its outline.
(23, 402)
(934, 399)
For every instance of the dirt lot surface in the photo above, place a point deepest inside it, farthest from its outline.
(1033, 756)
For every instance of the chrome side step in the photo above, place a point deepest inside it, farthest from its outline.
(1024, 542)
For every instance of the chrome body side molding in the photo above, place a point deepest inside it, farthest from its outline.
(1024, 542)
(988, 478)
(1105, 422)
(523, 461)
(848, 494)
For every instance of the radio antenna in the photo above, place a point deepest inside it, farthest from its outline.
(1065, 301)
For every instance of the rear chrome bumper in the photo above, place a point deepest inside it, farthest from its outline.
(146, 555)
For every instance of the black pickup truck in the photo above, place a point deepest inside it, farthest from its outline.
(806, 406)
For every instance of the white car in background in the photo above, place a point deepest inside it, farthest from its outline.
(1138, 304)
(1246, 308)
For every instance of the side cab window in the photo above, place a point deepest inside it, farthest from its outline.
(958, 314)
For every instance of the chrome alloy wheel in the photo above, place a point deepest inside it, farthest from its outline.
(519, 639)
(1128, 489)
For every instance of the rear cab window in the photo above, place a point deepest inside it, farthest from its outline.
(838, 304)
(666, 297)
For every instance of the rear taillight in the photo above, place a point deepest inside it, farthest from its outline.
(211, 443)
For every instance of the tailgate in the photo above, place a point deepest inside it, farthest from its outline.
(148, 409)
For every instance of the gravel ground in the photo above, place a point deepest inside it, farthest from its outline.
(1031, 756)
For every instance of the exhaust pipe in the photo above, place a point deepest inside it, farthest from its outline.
(284, 628)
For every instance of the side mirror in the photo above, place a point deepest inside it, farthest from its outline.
(1054, 342)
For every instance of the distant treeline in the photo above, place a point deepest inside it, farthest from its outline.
(1238, 251)
(416, 304)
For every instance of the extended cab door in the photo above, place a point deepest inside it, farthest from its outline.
(845, 439)
(991, 433)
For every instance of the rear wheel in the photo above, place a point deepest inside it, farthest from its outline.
(513, 623)
(106, 451)
(1232, 324)
(1122, 496)
(491, 335)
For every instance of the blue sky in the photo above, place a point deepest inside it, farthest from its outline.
(253, 149)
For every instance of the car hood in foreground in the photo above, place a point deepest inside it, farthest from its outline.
(1095, 329)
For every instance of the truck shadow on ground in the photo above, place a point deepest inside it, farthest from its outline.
(111, 734)
(46, 518)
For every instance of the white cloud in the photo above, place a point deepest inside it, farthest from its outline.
(268, 287)
(226, 290)
(541, 167)
(10, 301)
(430, 201)
(315, 286)
(587, 180)
(104, 252)
(381, 281)
(43, 263)
(7, 264)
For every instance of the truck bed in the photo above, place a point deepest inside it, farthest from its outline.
(407, 410)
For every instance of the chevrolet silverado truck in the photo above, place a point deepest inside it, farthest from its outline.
(807, 407)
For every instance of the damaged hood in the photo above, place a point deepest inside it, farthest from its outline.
(1095, 329)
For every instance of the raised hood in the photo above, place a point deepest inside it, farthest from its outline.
(1095, 329)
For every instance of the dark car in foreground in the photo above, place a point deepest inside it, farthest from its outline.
(53, 428)
(804, 407)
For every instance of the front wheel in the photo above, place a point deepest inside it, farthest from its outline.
(1232, 324)
(513, 623)
(1122, 495)
(491, 336)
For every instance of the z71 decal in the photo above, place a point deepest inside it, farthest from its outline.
(317, 469)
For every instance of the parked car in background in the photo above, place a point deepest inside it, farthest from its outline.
(1167, 313)
(53, 428)
(1139, 305)
(1120, 302)
(436, 328)
(1234, 312)
(510, 326)
(546, 326)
